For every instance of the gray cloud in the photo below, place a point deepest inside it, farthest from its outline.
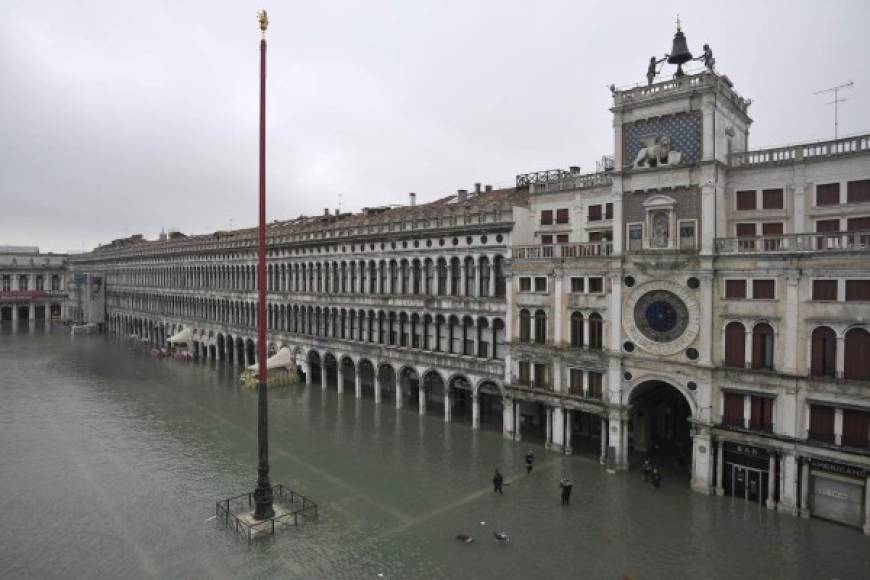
(126, 118)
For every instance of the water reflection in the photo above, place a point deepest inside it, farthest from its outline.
(121, 456)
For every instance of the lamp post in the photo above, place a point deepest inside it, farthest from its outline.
(263, 494)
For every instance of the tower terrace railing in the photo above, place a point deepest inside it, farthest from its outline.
(581, 250)
(786, 243)
(804, 152)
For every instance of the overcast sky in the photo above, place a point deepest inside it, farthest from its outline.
(127, 117)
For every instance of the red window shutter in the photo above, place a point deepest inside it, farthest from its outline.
(735, 288)
(828, 194)
(762, 346)
(861, 224)
(561, 216)
(594, 236)
(824, 352)
(858, 191)
(746, 200)
(733, 412)
(745, 230)
(546, 217)
(824, 289)
(547, 240)
(828, 226)
(608, 211)
(763, 289)
(856, 425)
(857, 290)
(562, 239)
(771, 199)
(771, 229)
(822, 422)
(857, 354)
(735, 345)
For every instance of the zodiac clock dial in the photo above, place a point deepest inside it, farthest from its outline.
(661, 316)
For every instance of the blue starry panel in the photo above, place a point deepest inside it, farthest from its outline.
(683, 129)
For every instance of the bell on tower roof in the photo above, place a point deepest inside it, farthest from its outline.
(679, 51)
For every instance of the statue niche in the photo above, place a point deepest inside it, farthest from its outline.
(655, 151)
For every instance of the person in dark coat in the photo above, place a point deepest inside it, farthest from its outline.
(530, 461)
(647, 469)
(656, 478)
(497, 482)
(567, 485)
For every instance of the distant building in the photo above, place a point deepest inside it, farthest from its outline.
(695, 301)
(32, 285)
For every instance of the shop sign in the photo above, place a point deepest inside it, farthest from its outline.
(22, 295)
(746, 450)
(839, 468)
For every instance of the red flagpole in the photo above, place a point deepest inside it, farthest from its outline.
(263, 494)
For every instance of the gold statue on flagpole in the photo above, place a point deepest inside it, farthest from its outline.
(264, 21)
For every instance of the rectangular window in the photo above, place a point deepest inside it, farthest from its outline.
(763, 289)
(542, 379)
(687, 235)
(546, 217)
(525, 284)
(547, 240)
(771, 199)
(594, 213)
(828, 194)
(745, 230)
(771, 229)
(596, 382)
(828, 226)
(540, 283)
(608, 211)
(596, 285)
(635, 237)
(761, 413)
(735, 288)
(576, 381)
(562, 239)
(824, 289)
(732, 414)
(577, 284)
(746, 200)
(525, 373)
(40, 283)
(7, 283)
(822, 423)
(856, 427)
(561, 216)
(861, 224)
(857, 290)
(858, 191)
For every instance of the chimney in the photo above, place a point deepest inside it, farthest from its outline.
(488, 188)
(326, 211)
(412, 199)
(477, 188)
(575, 169)
(461, 195)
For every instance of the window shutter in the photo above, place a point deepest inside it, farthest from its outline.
(733, 412)
(857, 354)
(824, 289)
(857, 290)
(861, 224)
(822, 422)
(855, 428)
(763, 289)
(561, 216)
(858, 191)
(594, 213)
(745, 230)
(735, 288)
(771, 229)
(735, 345)
(828, 226)
(771, 199)
(828, 194)
(746, 200)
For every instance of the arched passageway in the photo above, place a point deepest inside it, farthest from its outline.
(367, 379)
(433, 385)
(461, 404)
(489, 400)
(251, 352)
(660, 424)
(330, 368)
(409, 387)
(314, 368)
(348, 375)
(387, 380)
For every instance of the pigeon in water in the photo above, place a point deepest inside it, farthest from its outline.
(464, 538)
(501, 536)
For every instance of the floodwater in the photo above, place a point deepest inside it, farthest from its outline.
(111, 461)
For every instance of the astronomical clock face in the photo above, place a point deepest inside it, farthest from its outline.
(661, 317)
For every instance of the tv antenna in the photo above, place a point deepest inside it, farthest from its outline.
(836, 102)
(339, 203)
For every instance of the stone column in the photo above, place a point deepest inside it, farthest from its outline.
(323, 373)
(448, 290)
(788, 478)
(507, 418)
(31, 313)
(838, 426)
(569, 416)
(720, 468)
(708, 219)
(799, 197)
(448, 405)
(558, 314)
(398, 392)
(867, 506)
(421, 400)
(604, 430)
(557, 426)
(475, 411)
(548, 442)
(747, 349)
(492, 276)
(789, 333)
(805, 489)
(462, 278)
(747, 410)
(586, 331)
(377, 385)
(14, 312)
(771, 482)
(340, 379)
(702, 462)
(357, 381)
(618, 440)
(518, 422)
(841, 355)
(706, 333)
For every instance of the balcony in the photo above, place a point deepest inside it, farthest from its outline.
(580, 250)
(792, 243)
(805, 152)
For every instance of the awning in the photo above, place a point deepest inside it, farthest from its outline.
(283, 359)
(183, 336)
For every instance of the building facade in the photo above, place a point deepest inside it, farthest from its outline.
(32, 285)
(694, 301)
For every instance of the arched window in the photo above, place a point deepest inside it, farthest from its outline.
(469, 277)
(857, 354)
(498, 272)
(762, 346)
(576, 329)
(596, 331)
(525, 326)
(540, 327)
(485, 273)
(735, 345)
(442, 277)
(824, 352)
